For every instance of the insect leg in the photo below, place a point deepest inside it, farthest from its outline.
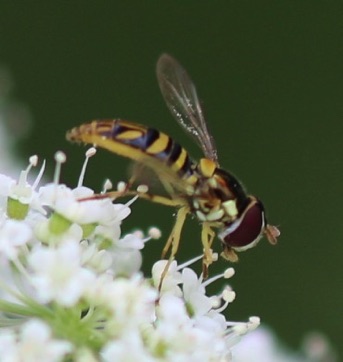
(143, 195)
(207, 237)
(159, 199)
(229, 254)
(173, 240)
(174, 237)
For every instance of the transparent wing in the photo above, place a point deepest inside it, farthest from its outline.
(181, 97)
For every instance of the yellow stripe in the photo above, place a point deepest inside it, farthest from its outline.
(181, 160)
(159, 145)
(129, 135)
(114, 146)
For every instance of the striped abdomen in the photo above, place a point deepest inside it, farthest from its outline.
(136, 142)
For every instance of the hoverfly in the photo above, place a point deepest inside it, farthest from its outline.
(203, 189)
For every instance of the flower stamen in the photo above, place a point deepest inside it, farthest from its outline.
(60, 158)
(242, 328)
(107, 186)
(89, 153)
(39, 176)
(190, 262)
(228, 273)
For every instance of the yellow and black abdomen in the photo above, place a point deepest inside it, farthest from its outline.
(136, 142)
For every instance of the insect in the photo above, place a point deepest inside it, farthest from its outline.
(202, 188)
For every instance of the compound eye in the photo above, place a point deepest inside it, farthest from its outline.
(245, 232)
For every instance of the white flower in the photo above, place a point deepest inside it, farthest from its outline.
(55, 232)
(20, 195)
(130, 302)
(128, 348)
(182, 339)
(194, 293)
(131, 241)
(64, 202)
(126, 262)
(13, 234)
(6, 183)
(34, 343)
(95, 259)
(109, 224)
(127, 259)
(58, 274)
(171, 308)
(171, 280)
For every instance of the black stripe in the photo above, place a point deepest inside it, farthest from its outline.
(186, 167)
(167, 150)
(151, 136)
(175, 153)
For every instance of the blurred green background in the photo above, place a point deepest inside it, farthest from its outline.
(270, 74)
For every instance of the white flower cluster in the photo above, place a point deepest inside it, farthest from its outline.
(71, 288)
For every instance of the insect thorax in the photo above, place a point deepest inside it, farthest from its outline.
(219, 198)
